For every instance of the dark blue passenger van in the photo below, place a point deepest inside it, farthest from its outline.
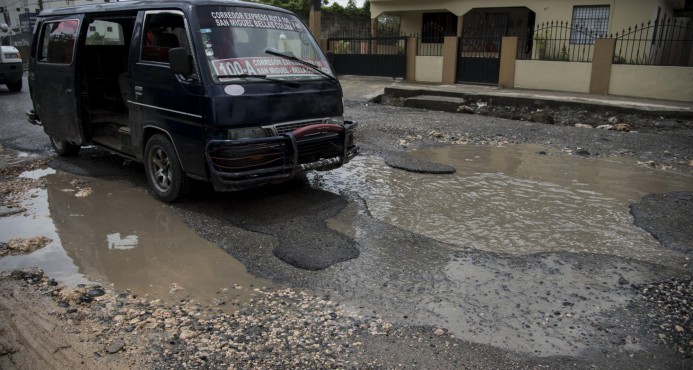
(231, 92)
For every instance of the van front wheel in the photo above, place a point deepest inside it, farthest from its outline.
(164, 173)
(64, 148)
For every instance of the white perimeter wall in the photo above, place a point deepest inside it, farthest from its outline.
(558, 76)
(429, 69)
(669, 83)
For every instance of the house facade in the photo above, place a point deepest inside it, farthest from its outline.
(611, 16)
(554, 44)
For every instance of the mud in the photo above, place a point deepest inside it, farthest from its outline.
(33, 337)
(18, 246)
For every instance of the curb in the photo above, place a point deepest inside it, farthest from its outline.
(449, 101)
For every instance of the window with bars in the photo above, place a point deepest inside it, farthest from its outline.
(589, 23)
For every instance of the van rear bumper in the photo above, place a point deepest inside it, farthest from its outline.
(246, 163)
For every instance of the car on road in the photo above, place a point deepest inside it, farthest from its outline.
(11, 68)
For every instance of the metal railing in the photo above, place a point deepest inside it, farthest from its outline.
(363, 32)
(666, 42)
(559, 41)
(428, 46)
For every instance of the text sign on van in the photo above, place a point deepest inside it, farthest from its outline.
(254, 20)
(263, 66)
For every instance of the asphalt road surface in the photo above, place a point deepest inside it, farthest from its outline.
(332, 234)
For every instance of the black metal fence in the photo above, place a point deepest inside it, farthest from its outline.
(559, 41)
(666, 42)
(350, 41)
(368, 52)
(362, 32)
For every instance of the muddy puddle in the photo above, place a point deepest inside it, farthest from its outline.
(116, 235)
(519, 199)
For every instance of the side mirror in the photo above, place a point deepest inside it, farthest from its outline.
(179, 61)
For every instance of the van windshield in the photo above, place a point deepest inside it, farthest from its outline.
(235, 41)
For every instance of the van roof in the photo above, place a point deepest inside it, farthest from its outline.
(146, 5)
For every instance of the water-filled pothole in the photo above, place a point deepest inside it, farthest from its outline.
(518, 199)
(117, 235)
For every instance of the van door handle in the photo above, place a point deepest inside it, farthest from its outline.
(68, 91)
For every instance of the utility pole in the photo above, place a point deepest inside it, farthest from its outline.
(314, 18)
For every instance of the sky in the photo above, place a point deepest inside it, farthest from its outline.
(359, 3)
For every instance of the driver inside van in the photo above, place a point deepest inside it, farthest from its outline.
(167, 31)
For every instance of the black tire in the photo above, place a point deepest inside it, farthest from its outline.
(164, 173)
(64, 148)
(15, 86)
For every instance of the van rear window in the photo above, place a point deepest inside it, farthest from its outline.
(58, 41)
(105, 33)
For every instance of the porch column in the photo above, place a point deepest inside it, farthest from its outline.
(374, 34)
(506, 75)
(602, 60)
(314, 18)
(450, 59)
(411, 59)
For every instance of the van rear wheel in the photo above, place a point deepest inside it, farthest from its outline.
(164, 173)
(64, 148)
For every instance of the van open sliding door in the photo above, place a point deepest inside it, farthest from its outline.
(54, 60)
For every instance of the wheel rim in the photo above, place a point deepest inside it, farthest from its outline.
(57, 143)
(161, 169)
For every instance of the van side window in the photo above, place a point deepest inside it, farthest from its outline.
(163, 31)
(105, 33)
(58, 42)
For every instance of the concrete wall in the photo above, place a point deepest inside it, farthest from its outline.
(558, 76)
(600, 77)
(410, 22)
(669, 83)
(429, 69)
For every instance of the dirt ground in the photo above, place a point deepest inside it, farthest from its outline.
(34, 336)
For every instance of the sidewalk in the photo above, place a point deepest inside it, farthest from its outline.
(447, 97)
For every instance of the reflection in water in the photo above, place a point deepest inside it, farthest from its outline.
(514, 200)
(121, 236)
(115, 241)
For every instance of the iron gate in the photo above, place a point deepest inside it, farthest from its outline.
(479, 60)
(482, 34)
(369, 56)
(479, 49)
